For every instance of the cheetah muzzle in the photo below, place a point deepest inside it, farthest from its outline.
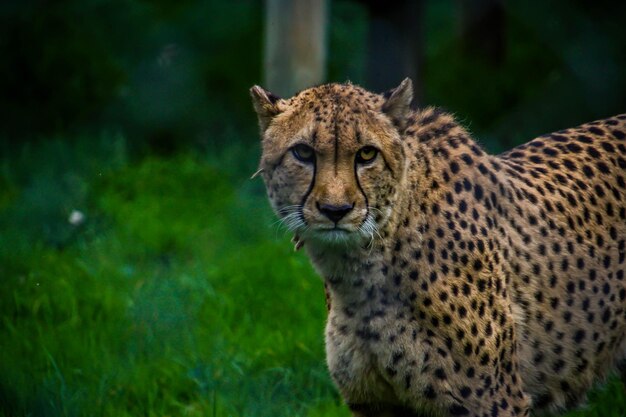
(458, 283)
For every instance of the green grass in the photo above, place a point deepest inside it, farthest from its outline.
(177, 296)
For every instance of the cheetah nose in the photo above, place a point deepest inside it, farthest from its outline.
(335, 213)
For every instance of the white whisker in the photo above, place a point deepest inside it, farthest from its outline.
(291, 218)
(369, 229)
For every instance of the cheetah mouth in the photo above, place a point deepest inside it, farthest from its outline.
(332, 234)
(334, 230)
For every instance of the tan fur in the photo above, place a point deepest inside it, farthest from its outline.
(458, 283)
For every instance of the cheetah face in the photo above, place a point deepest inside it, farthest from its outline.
(332, 159)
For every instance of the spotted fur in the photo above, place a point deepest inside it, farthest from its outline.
(483, 285)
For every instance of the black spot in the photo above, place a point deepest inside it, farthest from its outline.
(588, 171)
(608, 147)
(467, 159)
(596, 131)
(558, 365)
(465, 391)
(494, 410)
(593, 152)
(573, 147)
(429, 392)
(543, 400)
(550, 151)
(579, 336)
(458, 410)
(476, 150)
(567, 316)
(478, 265)
(467, 290)
(602, 167)
(407, 381)
(397, 279)
(440, 373)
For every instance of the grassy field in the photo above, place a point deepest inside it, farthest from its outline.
(177, 295)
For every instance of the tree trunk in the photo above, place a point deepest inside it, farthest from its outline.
(395, 45)
(295, 45)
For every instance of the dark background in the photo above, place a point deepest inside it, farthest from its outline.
(142, 272)
(176, 74)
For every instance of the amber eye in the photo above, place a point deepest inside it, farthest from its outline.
(366, 154)
(303, 153)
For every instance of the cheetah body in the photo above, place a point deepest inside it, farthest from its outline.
(488, 285)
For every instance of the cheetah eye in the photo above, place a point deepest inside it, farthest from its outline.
(303, 153)
(366, 154)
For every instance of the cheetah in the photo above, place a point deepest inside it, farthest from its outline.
(458, 283)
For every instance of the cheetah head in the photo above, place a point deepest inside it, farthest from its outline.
(332, 159)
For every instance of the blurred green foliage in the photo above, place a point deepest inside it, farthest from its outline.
(167, 73)
(178, 294)
(163, 302)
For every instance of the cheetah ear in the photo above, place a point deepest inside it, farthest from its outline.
(265, 104)
(398, 101)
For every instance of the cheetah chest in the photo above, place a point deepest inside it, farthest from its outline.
(360, 347)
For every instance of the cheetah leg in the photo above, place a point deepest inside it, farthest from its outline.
(327, 294)
(368, 410)
(622, 374)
